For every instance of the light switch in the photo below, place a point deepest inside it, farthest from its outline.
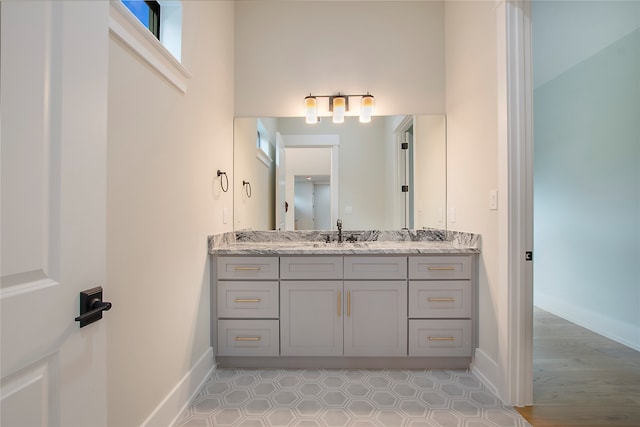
(493, 200)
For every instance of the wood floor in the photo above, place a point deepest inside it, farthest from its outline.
(581, 378)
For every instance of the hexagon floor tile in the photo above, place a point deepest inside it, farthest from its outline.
(346, 398)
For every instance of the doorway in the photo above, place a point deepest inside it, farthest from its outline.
(586, 179)
(403, 136)
(312, 202)
(314, 157)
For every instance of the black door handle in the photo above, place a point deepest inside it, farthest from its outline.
(91, 306)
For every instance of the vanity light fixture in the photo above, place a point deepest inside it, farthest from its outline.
(311, 109)
(367, 105)
(338, 106)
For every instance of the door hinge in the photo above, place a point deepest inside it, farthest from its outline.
(405, 188)
(404, 145)
(528, 256)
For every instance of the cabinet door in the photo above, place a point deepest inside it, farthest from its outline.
(375, 322)
(311, 315)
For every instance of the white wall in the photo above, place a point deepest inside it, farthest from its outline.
(164, 148)
(472, 155)
(568, 32)
(430, 171)
(284, 50)
(255, 212)
(587, 168)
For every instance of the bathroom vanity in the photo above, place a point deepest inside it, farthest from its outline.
(291, 300)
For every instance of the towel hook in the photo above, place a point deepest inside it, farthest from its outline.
(225, 187)
(247, 188)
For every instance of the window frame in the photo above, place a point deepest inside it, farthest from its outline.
(154, 17)
(164, 56)
(261, 154)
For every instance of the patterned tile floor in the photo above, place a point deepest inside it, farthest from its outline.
(346, 398)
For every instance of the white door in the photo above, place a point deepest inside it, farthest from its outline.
(53, 140)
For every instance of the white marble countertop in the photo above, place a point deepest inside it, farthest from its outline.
(368, 242)
(345, 248)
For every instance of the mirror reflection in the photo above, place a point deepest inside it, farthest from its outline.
(388, 174)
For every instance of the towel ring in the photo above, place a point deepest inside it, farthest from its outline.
(247, 188)
(223, 186)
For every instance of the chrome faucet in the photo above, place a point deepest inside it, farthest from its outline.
(339, 230)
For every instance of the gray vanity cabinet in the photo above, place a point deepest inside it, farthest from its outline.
(311, 318)
(346, 310)
(375, 290)
(441, 306)
(247, 306)
(375, 322)
(311, 306)
(321, 317)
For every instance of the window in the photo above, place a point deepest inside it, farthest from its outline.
(164, 53)
(263, 144)
(148, 12)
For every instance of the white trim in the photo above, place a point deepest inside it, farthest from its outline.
(263, 157)
(125, 26)
(516, 229)
(300, 141)
(180, 397)
(23, 288)
(621, 332)
(486, 370)
(398, 139)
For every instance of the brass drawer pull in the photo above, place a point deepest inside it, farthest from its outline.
(441, 268)
(441, 339)
(246, 339)
(246, 300)
(247, 268)
(441, 299)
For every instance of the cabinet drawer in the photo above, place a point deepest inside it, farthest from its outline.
(439, 267)
(317, 267)
(369, 267)
(248, 338)
(439, 298)
(247, 268)
(248, 299)
(440, 338)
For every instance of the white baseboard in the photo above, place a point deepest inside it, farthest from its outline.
(486, 370)
(623, 333)
(167, 412)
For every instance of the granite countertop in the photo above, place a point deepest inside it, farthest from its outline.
(369, 243)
